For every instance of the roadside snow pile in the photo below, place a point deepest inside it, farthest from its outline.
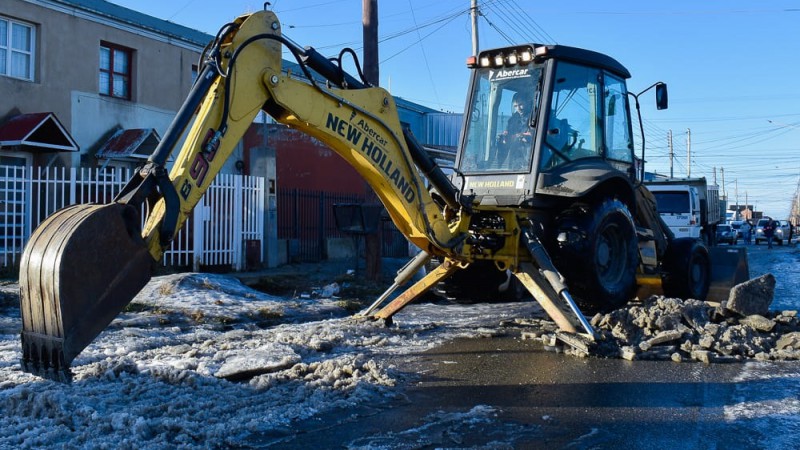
(202, 361)
(663, 328)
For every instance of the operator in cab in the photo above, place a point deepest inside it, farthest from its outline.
(517, 134)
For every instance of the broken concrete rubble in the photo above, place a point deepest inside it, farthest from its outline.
(664, 328)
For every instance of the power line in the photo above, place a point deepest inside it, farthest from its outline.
(510, 25)
(424, 55)
(499, 31)
(534, 23)
(422, 38)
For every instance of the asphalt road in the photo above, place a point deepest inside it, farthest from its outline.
(506, 392)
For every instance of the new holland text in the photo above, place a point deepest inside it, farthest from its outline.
(374, 151)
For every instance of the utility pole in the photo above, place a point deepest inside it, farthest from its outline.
(746, 203)
(474, 14)
(369, 22)
(722, 174)
(671, 154)
(688, 153)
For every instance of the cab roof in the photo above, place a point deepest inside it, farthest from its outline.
(573, 54)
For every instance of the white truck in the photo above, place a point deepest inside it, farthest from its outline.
(689, 206)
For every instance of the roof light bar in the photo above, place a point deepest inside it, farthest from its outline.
(506, 57)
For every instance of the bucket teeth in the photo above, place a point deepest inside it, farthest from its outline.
(44, 356)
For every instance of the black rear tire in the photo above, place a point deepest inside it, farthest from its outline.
(687, 269)
(599, 255)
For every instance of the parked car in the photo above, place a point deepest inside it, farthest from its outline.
(783, 232)
(737, 226)
(726, 234)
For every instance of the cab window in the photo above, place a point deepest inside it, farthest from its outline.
(499, 134)
(617, 128)
(573, 125)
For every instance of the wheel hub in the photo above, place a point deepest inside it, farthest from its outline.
(603, 253)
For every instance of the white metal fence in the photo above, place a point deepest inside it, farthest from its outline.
(231, 214)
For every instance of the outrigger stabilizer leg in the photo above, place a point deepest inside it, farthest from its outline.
(404, 275)
(547, 285)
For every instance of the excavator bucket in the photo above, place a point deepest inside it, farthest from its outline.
(728, 268)
(82, 265)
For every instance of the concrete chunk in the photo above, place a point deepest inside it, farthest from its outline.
(695, 313)
(628, 352)
(753, 296)
(660, 338)
(788, 341)
(706, 341)
(758, 322)
(702, 356)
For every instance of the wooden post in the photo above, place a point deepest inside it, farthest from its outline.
(369, 20)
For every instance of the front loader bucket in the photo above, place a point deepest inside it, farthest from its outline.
(728, 268)
(80, 268)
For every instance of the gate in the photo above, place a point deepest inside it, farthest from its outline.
(232, 211)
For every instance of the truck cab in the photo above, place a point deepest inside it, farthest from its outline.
(691, 207)
(547, 120)
(679, 206)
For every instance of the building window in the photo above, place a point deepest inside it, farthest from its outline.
(115, 71)
(17, 41)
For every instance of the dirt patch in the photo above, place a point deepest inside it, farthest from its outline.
(326, 279)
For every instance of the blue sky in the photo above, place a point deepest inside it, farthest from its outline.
(732, 67)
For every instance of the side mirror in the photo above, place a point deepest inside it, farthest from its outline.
(662, 99)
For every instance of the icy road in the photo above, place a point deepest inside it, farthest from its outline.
(201, 361)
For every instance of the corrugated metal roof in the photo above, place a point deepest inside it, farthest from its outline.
(136, 143)
(39, 130)
(140, 20)
(409, 105)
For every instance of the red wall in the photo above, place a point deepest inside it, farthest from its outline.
(305, 163)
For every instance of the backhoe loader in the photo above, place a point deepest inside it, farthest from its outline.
(556, 204)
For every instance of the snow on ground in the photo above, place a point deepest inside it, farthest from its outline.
(202, 360)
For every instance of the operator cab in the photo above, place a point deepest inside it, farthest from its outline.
(574, 114)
